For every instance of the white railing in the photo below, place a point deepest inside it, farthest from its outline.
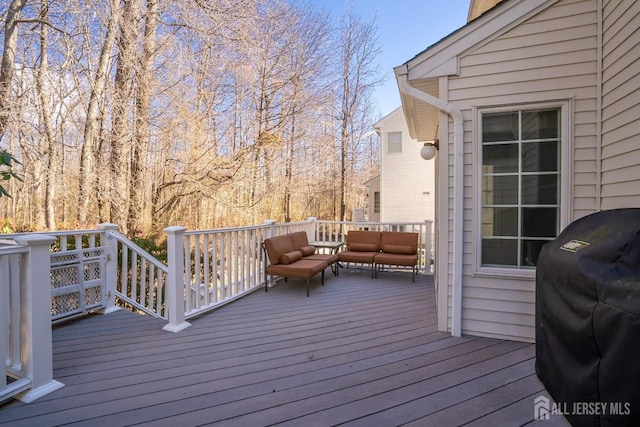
(68, 273)
(26, 372)
(78, 279)
(88, 270)
(205, 268)
(223, 265)
(137, 279)
(209, 268)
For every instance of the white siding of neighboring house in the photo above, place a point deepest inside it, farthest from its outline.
(620, 103)
(373, 187)
(551, 56)
(407, 180)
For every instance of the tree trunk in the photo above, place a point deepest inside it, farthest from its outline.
(87, 181)
(122, 132)
(289, 168)
(358, 51)
(45, 118)
(141, 132)
(8, 60)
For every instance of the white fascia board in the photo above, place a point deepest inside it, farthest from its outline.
(381, 123)
(441, 59)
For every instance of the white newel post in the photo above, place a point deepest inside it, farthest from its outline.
(111, 268)
(311, 231)
(35, 317)
(175, 287)
(271, 229)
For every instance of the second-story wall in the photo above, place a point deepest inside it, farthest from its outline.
(407, 188)
(620, 178)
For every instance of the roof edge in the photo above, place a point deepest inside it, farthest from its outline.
(440, 59)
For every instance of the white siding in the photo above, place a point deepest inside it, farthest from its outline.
(407, 180)
(373, 187)
(620, 102)
(550, 57)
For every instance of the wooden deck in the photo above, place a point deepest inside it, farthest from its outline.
(358, 351)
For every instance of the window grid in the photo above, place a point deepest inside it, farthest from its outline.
(394, 142)
(520, 205)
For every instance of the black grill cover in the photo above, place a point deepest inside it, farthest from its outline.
(588, 318)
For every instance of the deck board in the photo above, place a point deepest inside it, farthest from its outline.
(358, 351)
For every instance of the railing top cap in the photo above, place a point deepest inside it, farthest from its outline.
(35, 239)
(174, 229)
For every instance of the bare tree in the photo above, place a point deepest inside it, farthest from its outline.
(88, 178)
(306, 88)
(142, 127)
(359, 49)
(121, 137)
(8, 160)
(46, 120)
(148, 113)
(8, 59)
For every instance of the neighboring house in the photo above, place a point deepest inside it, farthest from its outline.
(373, 200)
(535, 103)
(405, 189)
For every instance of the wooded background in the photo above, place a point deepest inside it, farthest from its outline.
(149, 113)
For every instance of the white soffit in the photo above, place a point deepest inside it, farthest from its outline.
(425, 127)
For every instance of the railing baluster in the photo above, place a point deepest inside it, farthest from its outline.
(190, 293)
(124, 271)
(237, 260)
(207, 266)
(151, 288)
(5, 306)
(223, 265)
(134, 276)
(215, 270)
(143, 283)
(197, 285)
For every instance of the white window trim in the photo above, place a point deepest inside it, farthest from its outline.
(566, 172)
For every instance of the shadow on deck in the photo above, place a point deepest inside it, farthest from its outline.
(357, 351)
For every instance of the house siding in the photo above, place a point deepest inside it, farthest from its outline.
(373, 186)
(620, 99)
(550, 57)
(407, 180)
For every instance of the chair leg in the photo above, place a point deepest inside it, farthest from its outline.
(322, 279)
(307, 287)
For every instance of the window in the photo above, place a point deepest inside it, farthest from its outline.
(394, 142)
(521, 185)
(376, 202)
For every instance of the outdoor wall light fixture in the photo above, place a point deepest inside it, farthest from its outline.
(429, 150)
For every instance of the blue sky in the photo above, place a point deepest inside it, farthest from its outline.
(405, 28)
